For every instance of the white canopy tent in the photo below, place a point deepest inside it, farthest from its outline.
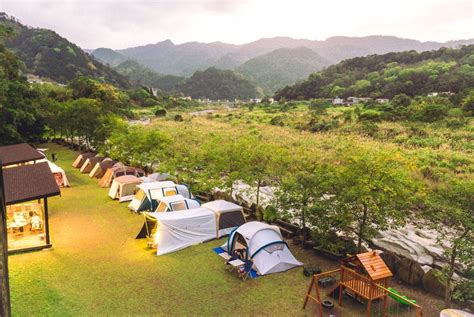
(264, 245)
(180, 229)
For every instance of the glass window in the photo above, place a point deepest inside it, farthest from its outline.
(26, 225)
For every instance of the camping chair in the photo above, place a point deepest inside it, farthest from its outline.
(244, 271)
(233, 256)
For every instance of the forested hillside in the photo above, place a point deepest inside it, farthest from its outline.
(108, 56)
(216, 84)
(49, 55)
(282, 67)
(387, 75)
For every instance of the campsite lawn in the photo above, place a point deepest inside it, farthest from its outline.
(97, 267)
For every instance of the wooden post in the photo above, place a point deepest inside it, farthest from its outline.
(309, 292)
(385, 298)
(5, 309)
(46, 220)
(341, 286)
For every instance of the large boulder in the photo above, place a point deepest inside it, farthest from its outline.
(391, 259)
(434, 282)
(410, 271)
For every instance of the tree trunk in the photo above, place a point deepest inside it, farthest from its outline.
(259, 213)
(361, 230)
(303, 217)
(452, 262)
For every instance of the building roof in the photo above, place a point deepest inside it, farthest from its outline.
(29, 182)
(18, 153)
(374, 265)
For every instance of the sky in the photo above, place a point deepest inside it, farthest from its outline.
(120, 24)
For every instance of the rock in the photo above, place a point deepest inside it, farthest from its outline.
(391, 259)
(434, 282)
(409, 271)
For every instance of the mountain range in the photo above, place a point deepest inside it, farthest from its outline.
(270, 63)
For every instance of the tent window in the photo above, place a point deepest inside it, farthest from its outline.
(161, 207)
(170, 192)
(179, 205)
(275, 247)
(140, 195)
(156, 193)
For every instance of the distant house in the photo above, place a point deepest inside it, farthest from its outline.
(353, 100)
(442, 93)
(337, 101)
(364, 99)
(382, 100)
(27, 189)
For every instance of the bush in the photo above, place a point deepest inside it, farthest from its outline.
(178, 118)
(149, 102)
(370, 115)
(369, 128)
(278, 120)
(430, 113)
(401, 100)
(160, 112)
(455, 123)
(455, 113)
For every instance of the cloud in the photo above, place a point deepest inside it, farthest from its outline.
(125, 23)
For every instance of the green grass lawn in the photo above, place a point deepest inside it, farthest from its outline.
(97, 268)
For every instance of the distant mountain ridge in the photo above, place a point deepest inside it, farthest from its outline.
(47, 54)
(184, 59)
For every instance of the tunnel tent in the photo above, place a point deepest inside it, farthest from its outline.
(264, 245)
(101, 167)
(167, 204)
(229, 216)
(89, 164)
(123, 187)
(117, 171)
(81, 158)
(149, 194)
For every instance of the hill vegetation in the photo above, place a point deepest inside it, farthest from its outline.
(216, 84)
(109, 56)
(49, 55)
(411, 73)
(282, 67)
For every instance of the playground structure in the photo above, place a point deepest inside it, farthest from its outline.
(366, 276)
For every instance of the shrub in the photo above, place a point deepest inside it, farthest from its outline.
(401, 100)
(369, 128)
(160, 112)
(278, 120)
(149, 102)
(370, 115)
(455, 113)
(430, 113)
(178, 118)
(455, 123)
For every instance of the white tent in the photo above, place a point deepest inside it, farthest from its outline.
(180, 229)
(149, 194)
(176, 203)
(264, 245)
(58, 172)
(229, 216)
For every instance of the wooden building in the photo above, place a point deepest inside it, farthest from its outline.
(27, 189)
(19, 154)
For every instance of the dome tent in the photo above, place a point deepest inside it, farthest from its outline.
(229, 215)
(101, 167)
(263, 245)
(81, 158)
(90, 163)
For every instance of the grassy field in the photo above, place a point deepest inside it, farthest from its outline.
(97, 268)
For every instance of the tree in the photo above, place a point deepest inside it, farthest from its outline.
(303, 192)
(468, 103)
(451, 213)
(373, 192)
(401, 100)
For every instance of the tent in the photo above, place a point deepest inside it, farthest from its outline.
(180, 229)
(167, 204)
(155, 177)
(58, 173)
(123, 187)
(101, 167)
(149, 194)
(190, 227)
(264, 245)
(117, 171)
(89, 164)
(81, 158)
(229, 216)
